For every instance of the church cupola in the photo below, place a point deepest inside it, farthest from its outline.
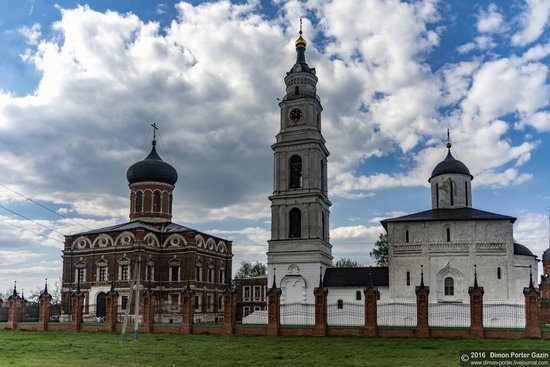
(301, 81)
(451, 183)
(151, 183)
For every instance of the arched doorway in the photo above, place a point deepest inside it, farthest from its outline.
(101, 304)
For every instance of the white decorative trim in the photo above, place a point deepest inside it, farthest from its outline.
(81, 243)
(103, 240)
(125, 238)
(175, 240)
(151, 240)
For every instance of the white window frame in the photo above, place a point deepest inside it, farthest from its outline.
(257, 288)
(246, 289)
(198, 302)
(120, 267)
(99, 268)
(246, 311)
(179, 272)
(210, 302)
(199, 277)
(210, 274)
(77, 270)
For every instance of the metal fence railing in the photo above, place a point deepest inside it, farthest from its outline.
(346, 314)
(449, 314)
(396, 314)
(298, 314)
(504, 315)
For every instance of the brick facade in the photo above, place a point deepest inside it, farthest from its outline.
(246, 290)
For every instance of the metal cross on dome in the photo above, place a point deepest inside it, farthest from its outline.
(155, 128)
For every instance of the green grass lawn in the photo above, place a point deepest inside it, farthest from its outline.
(30, 348)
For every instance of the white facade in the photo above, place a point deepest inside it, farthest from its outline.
(453, 238)
(299, 247)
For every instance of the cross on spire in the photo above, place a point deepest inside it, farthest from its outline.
(155, 128)
(448, 139)
(300, 26)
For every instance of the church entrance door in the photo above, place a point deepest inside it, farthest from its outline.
(101, 304)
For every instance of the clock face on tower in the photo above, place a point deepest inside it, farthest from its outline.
(296, 114)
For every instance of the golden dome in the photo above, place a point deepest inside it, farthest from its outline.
(300, 42)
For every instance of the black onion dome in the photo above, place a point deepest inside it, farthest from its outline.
(152, 168)
(546, 254)
(450, 165)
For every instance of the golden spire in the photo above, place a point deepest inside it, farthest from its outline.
(300, 42)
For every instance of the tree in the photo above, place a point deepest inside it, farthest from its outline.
(380, 251)
(347, 263)
(248, 270)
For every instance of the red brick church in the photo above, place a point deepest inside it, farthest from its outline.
(168, 256)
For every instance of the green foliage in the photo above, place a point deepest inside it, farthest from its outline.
(345, 262)
(248, 270)
(380, 251)
(87, 349)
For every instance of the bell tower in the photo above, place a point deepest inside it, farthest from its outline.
(299, 244)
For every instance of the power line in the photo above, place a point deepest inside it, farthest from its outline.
(28, 230)
(45, 207)
(142, 145)
(35, 222)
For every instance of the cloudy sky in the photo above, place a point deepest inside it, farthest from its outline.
(80, 84)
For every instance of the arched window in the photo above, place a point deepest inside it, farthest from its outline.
(407, 236)
(295, 172)
(448, 235)
(449, 286)
(499, 273)
(436, 195)
(295, 223)
(408, 278)
(296, 90)
(139, 202)
(466, 191)
(340, 304)
(156, 201)
(170, 199)
(451, 192)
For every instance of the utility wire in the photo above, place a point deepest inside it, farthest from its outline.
(162, 145)
(28, 230)
(143, 145)
(45, 207)
(35, 222)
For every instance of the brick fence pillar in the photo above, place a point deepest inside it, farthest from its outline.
(77, 309)
(476, 309)
(112, 310)
(187, 310)
(15, 304)
(532, 311)
(372, 295)
(148, 303)
(422, 293)
(44, 303)
(273, 309)
(321, 293)
(229, 310)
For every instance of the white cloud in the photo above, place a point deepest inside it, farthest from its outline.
(533, 20)
(490, 20)
(32, 34)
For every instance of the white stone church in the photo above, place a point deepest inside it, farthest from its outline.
(445, 242)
